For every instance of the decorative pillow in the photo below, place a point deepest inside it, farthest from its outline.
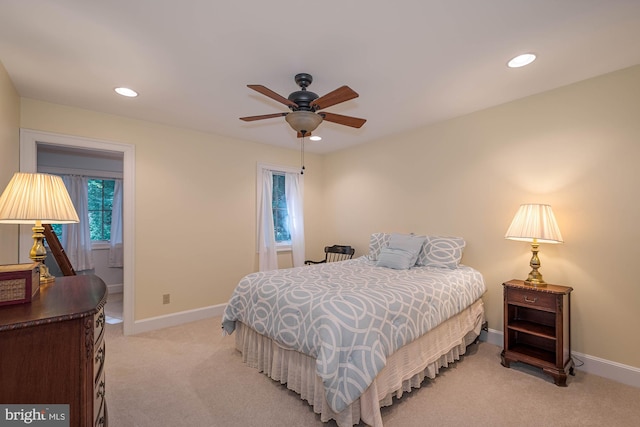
(377, 241)
(443, 252)
(407, 242)
(395, 258)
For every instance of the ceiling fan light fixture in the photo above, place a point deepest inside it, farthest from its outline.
(303, 121)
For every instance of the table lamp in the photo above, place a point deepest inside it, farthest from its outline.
(536, 224)
(37, 198)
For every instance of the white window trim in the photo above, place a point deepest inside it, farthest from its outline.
(280, 247)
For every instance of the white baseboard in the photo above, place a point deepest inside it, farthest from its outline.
(624, 374)
(176, 319)
(492, 336)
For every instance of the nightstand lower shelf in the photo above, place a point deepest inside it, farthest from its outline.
(541, 359)
(526, 351)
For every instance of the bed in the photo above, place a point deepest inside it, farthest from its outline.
(349, 336)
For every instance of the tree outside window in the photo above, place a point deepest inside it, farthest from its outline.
(280, 213)
(100, 201)
(100, 207)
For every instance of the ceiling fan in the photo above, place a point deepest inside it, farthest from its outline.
(304, 116)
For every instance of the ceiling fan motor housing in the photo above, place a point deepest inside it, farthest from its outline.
(303, 98)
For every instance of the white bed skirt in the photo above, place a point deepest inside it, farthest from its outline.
(405, 369)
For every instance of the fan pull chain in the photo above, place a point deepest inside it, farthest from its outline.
(302, 154)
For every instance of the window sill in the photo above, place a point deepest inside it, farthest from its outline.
(100, 245)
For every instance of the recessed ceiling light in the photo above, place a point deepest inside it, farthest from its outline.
(315, 138)
(125, 91)
(522, 60)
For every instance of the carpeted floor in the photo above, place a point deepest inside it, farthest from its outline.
(190, 375)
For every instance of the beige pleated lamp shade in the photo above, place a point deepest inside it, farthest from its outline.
(32, 197)
(534, 222)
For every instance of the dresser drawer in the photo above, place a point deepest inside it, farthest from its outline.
(101, 417)
(98, 361)
(99, 392)
(99, 322)
(537, 299)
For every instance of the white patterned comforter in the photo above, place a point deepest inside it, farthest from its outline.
(350, 315)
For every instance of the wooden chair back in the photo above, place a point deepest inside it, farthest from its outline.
(335, 253)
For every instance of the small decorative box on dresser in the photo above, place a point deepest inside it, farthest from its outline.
(52, 350)
(537, 328)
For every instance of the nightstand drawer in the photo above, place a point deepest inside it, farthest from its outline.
(533, 298)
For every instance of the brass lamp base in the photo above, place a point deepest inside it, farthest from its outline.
(535, 277)
(535, 283)
(39, 253)
(45, 276)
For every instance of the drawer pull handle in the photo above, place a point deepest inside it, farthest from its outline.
(531, 301)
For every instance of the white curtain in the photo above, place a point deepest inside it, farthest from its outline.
(76, 238)
(293, 192)
(116, 258)
(268, 256)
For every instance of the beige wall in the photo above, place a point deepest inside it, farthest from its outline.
(576, 148)
(9, 158)
(195, 203)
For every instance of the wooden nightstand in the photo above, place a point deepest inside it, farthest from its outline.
(537, 328)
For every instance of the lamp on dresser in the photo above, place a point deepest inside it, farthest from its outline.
(37, 198)
(534, 223)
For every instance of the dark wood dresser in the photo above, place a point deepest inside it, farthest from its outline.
(52, 350)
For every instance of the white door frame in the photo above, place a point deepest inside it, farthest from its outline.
(29, 163)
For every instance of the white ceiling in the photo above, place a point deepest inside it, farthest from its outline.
(413, 62)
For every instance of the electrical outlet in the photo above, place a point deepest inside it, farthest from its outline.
(166, 298)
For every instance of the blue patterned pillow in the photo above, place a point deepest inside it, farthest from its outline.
(377, 241)
(395, 258)
(443, 252)
(407, 242)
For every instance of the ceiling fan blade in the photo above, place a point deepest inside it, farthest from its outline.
(339, 95)
(354, 122)
(306, 135)
(271, 94)
(264, 116)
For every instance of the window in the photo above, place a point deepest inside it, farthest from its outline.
(100, 204)
(279, 206)
(100, 207)
(280, 213)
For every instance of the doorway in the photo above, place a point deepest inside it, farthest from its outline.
(29, 142)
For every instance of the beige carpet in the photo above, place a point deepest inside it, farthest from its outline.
(192, 376)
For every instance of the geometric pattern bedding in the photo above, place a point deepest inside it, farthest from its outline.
(350, 315)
